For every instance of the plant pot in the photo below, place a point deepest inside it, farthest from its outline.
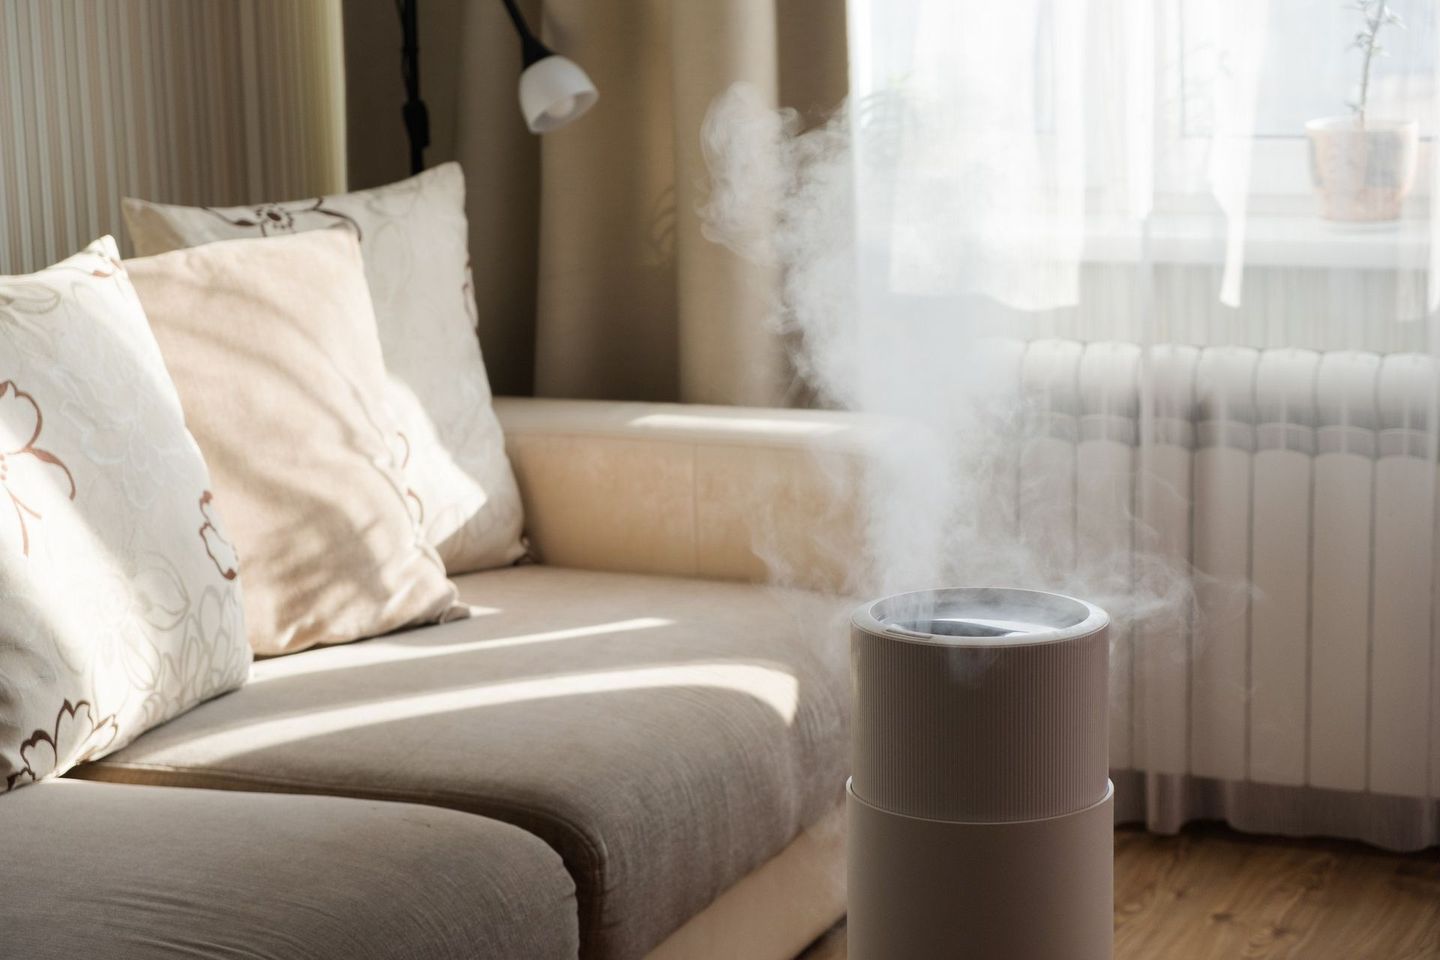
(1362, 172)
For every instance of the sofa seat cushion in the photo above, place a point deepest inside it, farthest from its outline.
(666, 736)
(142, 873)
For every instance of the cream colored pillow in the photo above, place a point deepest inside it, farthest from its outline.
(273, 349)
(119, 604)
(415, 241)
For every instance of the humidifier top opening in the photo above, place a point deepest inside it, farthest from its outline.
(981, 616)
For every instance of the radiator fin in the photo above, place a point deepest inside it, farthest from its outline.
(1299, 489)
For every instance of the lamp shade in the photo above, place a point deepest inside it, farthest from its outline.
(554, 91)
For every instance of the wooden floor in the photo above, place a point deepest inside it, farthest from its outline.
(1212, 894)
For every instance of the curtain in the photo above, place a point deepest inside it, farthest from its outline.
(632, 301)
(170, 100)
(1154, 286)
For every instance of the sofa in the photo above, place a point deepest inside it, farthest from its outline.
(636, 748)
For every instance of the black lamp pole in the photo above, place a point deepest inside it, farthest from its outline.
(531, 49)
(417, 118)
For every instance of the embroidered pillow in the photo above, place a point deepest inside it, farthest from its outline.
(415, 241)
(273, 350)
(120, 605)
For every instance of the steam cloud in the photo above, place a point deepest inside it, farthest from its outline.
(969, 445)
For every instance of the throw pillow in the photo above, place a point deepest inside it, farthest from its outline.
(119, 601)
(414, 237)
(273, 349)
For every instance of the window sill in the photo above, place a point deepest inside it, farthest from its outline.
(1270, 240)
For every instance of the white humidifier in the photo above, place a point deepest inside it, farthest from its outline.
(980, 806)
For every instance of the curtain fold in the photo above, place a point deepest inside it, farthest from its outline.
(632, 300)
(170, 100)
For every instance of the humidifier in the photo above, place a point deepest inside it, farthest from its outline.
(980, 806)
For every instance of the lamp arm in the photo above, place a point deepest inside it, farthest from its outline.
(576, 92)
(531, 49)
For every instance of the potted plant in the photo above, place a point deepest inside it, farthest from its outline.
(1363, 166)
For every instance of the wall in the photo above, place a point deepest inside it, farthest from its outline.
(170, 100)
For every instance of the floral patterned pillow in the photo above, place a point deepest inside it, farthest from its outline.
(119, 598)
(415, 242)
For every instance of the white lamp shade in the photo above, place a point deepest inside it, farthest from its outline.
(554, 91)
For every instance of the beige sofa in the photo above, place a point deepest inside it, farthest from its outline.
(636, 749)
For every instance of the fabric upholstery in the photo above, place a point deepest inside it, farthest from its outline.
(720, 492)
(413, 238)
(119, 606)
(140, 873)
(273, 348)
(666, 736)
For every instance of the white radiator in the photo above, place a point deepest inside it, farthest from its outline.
(1300, 488)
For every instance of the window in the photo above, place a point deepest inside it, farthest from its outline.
(1309, 67)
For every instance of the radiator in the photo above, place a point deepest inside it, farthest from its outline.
(1298, 491)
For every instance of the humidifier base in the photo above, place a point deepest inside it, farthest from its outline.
(1022, 890)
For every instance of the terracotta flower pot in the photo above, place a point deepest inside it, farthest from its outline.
(1362, 172)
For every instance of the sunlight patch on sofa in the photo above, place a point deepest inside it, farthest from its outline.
(775, 688)
(774, 424)
(386, 650)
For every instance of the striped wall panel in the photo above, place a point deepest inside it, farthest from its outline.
(1295, 494)
(182, 101)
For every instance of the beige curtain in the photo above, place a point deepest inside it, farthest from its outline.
(172, 100)
(630, 300)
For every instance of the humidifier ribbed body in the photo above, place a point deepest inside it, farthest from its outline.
(980, 808)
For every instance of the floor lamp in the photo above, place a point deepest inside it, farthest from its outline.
(553, 89)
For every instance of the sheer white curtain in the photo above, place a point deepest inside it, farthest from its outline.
(1090, 258)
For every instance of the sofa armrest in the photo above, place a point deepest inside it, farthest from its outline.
(728, 493)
